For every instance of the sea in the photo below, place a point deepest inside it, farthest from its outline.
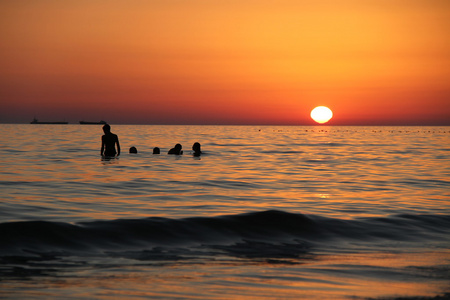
(266, 212)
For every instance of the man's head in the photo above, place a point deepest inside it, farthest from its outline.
(106, 128)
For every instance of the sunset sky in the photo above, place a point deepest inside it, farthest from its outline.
(373, 62)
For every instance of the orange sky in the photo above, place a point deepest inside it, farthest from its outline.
(225, 62)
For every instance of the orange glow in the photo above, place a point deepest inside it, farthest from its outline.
(239, 62)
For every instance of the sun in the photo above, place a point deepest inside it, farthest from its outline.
(321, 114)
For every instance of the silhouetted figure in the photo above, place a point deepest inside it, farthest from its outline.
(176, 150)
(133, 150)
(197, 149)
(109, 142)
(156, 150)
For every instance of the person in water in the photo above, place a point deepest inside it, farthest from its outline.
(109, 142)
(156, 150)
(197, 149)
(176, 150)
(133, 150)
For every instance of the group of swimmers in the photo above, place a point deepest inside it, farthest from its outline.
(175, 150)
(110, 142)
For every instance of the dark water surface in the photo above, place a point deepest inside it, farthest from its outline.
(267, 212)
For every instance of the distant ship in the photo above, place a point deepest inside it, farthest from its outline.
(92, 123)
(35, 121)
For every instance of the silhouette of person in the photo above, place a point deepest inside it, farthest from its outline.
(133, 150)
(156, 150)
(109, 142)
(176, 150)
(197, 149)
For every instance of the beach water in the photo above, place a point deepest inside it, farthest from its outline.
(266, 212)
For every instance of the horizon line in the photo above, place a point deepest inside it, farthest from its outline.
(237, 124)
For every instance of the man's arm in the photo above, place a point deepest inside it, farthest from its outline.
(118, 146)
(103, 145)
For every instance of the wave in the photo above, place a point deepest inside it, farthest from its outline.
(267, 233)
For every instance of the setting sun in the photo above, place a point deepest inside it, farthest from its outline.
(321, 114)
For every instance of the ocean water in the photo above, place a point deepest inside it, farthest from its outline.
(266, 212)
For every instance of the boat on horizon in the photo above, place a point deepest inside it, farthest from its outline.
(36, 121)
(93, 123)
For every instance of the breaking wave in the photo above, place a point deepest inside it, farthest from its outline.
(267, 233)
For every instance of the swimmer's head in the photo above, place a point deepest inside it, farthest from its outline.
(133, 150)
(196, 147)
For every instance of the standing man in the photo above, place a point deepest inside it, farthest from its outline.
(109, 141)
